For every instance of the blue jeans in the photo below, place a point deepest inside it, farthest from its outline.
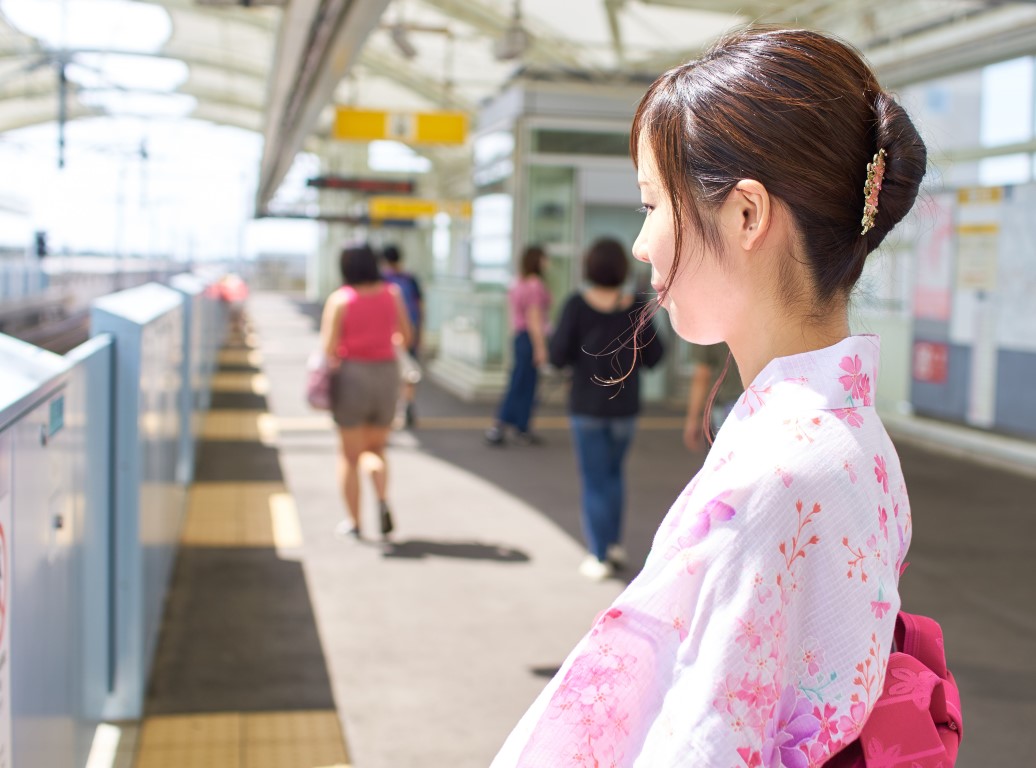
(601, 446)
(516, 408)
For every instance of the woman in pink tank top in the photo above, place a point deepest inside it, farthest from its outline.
(362, 323)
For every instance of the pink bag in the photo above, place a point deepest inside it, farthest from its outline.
(318, 382)
(916, 722)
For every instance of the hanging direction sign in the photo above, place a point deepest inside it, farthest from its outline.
(408, 127)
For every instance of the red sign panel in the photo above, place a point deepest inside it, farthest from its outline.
(370, 186)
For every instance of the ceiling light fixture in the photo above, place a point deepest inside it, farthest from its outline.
(401, 40)
(514, 40)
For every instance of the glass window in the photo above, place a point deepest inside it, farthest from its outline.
(551, 198)
(1007, 96)
(946, 110)
(558, 142)
(1007, 169)
(491, 238)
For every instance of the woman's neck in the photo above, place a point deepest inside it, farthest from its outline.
(783, 338)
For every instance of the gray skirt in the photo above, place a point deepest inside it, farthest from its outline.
(364, 393)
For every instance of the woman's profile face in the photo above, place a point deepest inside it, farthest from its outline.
(698, 299)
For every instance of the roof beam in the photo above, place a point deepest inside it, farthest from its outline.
(318, 41)
(413, 79)
(192, 58)
(999, 34)
(545, 47)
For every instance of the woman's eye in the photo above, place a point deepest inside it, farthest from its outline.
(645, 209)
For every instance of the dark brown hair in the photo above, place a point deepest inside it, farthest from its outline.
(801, 113)
(532, 261)
(605, 263)
(359, 265)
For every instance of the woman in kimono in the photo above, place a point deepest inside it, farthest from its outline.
(758, 632)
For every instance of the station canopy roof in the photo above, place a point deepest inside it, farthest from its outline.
(278, 66)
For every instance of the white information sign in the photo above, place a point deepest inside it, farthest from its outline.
(1016, 287)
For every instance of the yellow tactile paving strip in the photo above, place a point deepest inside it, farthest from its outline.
(239, 425)
(241, 514)
(252, 357)
(308, 739)
(237, 381)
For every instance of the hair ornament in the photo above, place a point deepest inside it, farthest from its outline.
(875, 175)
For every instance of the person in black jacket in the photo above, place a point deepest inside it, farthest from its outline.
(602, 337)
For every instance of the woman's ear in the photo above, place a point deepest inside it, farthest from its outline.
(749, 214)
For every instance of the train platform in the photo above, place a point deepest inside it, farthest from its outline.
(284, 646)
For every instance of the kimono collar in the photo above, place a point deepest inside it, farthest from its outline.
(841, 376)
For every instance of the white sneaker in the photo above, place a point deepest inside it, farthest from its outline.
(346, 530)
(594, 569)
(617, 556)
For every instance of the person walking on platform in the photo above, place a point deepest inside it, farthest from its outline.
(758, 631)
(714, 366)
(410, 290)
(361, 323)
(529, 302)
(601, 338)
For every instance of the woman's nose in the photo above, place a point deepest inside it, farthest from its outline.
(640, 249)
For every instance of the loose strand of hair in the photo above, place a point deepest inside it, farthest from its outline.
(706, 421)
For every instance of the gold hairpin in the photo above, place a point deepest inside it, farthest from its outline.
(875, 175)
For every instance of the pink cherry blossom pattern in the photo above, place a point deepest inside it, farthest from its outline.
(812, 656)
(849, 725)
(851, 470)
(850, 416)
(881, 473)
(828, 722)
(786, 477)
(758, 394)
(865, 389)
(816, 754)
(880, 608)
(715, 510)
(762, 591)
(853, 374)
(751, 757)
(748, 631)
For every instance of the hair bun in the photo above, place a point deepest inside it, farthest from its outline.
(905, 163)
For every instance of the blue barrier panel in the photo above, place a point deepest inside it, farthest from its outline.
(192, 374)
(88, 414)
(146, 324)
(40, 666)
(91, 503)
(215, 314)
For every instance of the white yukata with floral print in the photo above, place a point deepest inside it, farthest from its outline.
(758, 632)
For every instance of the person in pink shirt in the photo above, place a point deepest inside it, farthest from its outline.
(529, 303)
(757, 634)
(361, 324)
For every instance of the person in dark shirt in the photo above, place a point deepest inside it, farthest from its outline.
(413, 299)
(602, 338)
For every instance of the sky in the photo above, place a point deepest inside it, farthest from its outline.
(193, 195)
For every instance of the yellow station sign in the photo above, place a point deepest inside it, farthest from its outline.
(409, 127)
(416, 208)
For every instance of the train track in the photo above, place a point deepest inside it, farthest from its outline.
(60, 335)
